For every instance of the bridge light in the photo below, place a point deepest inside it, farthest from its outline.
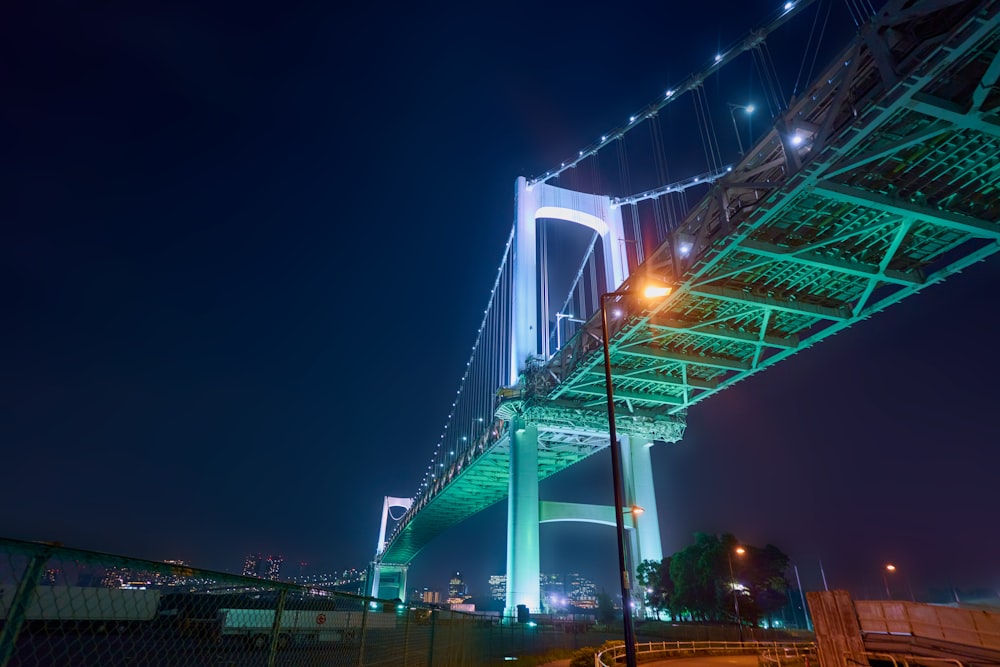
(797, 140)
(670, 94)
(656, 291)
(789, 5)
(718, 57)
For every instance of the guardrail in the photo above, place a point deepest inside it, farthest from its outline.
(774, 654)
(900, 659)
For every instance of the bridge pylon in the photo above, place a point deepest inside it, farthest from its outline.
(387, 580)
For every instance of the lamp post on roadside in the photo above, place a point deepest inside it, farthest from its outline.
(736, 598)
(559, 318)
(749, 109)
(885, 580)
(890, 568)
(616, 471)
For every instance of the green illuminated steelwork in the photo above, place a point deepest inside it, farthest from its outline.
(881, 179)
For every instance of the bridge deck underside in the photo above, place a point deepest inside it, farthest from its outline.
(893, 187)
(879, 181)
(484, 481)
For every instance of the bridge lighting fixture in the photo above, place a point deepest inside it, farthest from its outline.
(631, 119)
(651, 291)
(670, 94)
(789, 5)
(797, 140)
(718, 57)
(748, 109)
(684, 249)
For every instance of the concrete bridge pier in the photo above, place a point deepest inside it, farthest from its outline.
(637, 475)
(525, 512)
(523, 574)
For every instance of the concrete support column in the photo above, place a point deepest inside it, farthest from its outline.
(522, 520)
(402, 583)
(639, 491)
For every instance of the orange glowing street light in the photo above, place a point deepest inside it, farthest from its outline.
(650, 291)
(736, 598)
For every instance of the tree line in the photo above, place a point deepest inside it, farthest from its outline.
(714, 579)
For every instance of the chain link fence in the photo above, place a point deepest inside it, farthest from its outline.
(74, 608)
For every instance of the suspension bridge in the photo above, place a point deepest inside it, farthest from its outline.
(872, 182)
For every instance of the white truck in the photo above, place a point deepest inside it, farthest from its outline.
(78, 607)
(300, 625)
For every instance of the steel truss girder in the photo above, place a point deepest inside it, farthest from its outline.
(906, 209)
(666, 428)
(878, 80)
(566, 435)
(663, 323)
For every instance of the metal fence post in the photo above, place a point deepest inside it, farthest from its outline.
(364, 632)
(23, 596)
(272, 653)
(406, 639)
(430, 651)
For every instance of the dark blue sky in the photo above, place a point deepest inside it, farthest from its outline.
(246, 248)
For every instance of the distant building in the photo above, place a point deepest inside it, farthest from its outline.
(430, 597)
(498, 587)
(557, 591)
(257, 565)
(581, 591)
(458, 592)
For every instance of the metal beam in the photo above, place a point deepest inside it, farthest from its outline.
(831, 263)
(647, 375)
(628, 395)
(906, 209)
(666, 324)
(657, 353)
(753, 300)
(952, 113)
(920, 136)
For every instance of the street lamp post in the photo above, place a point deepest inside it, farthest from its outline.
(885, 580)
(749, 109)
(559, 318)
(736, 598)
(616, 472)
(890, 568)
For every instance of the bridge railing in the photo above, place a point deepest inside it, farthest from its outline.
(770, 654)
(61, 606)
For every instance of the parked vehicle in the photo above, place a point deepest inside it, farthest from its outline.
(96, 609)
(300, 625)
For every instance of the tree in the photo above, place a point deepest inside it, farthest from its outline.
(693, 572)
(654, 577)
(702, 579)
(605, 609)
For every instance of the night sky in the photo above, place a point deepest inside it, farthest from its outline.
(247, 246)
